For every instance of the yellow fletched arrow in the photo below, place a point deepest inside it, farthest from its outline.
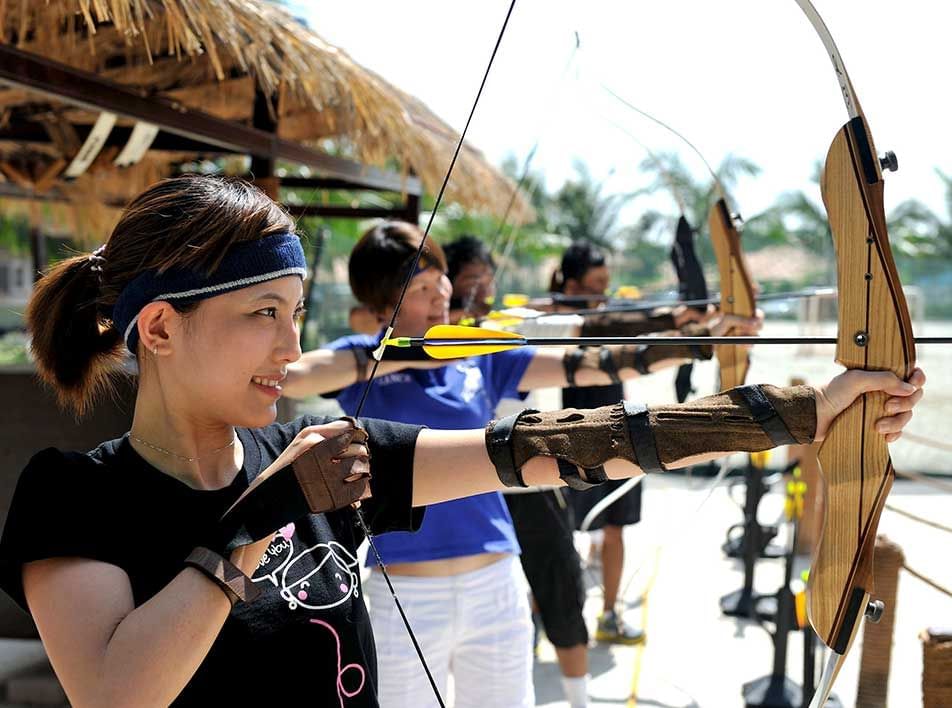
(628, 292)
(459, 342)
(490, 341)
(515, 300)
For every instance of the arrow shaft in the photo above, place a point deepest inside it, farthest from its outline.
(654, 304)
(609, 341)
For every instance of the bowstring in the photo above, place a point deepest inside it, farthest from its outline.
(524, 176)
(378, 355)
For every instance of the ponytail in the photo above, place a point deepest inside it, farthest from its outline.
(183, 222)
(75, 348)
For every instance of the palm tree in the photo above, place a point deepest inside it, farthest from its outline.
(918, 231)
(670, 174)
(581, 211)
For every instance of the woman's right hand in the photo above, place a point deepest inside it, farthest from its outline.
(325, 468)
(312, 435)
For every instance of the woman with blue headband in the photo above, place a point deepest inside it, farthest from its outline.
(208, 556)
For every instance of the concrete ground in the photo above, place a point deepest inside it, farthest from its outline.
(695, 656)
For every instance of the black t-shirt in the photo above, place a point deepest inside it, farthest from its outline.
(307, 635)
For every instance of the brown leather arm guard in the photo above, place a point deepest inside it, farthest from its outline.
(314, 483)
(744, 419)
(639, 357)
(631, 324)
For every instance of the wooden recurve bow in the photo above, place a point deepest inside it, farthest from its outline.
(875, 333)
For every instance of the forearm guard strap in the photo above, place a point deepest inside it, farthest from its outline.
(744, 419)
(640, 357)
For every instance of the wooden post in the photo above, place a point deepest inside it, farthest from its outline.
(262, 169)
(878, 638)
(38, 251)
(936, 667)
(413, 209)
(812, 519)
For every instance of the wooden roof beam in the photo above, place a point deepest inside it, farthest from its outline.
(408, 211)
(63, 83)
(33, 132)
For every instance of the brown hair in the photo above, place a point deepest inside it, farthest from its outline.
(381, 259)
(579, 258)
(183, 222)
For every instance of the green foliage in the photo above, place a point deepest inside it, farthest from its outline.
(13, 349)
(671, 175)
(14, 236)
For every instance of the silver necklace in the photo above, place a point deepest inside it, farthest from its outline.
(182, 457)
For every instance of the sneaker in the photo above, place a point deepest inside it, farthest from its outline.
(613, 630)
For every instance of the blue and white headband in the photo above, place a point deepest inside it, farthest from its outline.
(246, 263)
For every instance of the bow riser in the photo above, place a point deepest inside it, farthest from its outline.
(737, 295)
(875, 333)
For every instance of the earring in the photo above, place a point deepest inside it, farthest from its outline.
(155, 350)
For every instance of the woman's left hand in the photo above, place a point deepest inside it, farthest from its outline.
(836, 396)
(737, 326)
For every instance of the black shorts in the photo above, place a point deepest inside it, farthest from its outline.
(544, 527)
(624, 512)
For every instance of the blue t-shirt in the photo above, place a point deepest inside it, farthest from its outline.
(460, 396)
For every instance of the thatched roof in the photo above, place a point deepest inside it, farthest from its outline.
(212, 55)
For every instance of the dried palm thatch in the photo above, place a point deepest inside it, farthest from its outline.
(212, 55)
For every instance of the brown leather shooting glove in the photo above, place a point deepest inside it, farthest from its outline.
(315, 482)
(743, 419)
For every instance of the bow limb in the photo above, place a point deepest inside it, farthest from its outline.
(737, 291)
(692, 285)
(524, 176)
(875, 333)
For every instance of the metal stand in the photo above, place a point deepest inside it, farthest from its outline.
(751, 531)
(777, 690)
(733, 547)
(742, 603)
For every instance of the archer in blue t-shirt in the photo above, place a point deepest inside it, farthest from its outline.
(458, 577)
(460, 396)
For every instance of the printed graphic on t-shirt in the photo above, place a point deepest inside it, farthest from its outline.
(318, 578)
(279, 554)
(356, 670)
(396, 378)
(473, 383)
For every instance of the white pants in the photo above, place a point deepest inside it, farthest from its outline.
(476, 625)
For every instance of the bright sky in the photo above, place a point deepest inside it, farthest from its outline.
(748, 77)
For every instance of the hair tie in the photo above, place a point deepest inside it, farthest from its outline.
(96, 259)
